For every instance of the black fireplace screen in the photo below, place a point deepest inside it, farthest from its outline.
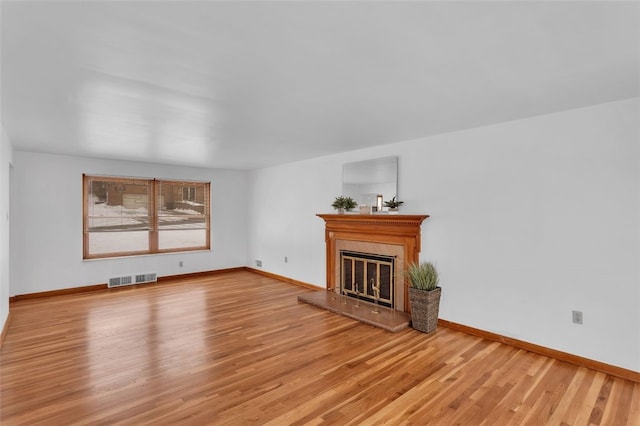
(367, 277)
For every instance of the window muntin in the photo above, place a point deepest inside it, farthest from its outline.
(130, 216)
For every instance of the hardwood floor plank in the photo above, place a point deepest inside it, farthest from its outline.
(616, 410)
(238, 348)
(601, 401)
(570, 398)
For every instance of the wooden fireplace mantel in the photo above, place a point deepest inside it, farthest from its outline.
(390, 229)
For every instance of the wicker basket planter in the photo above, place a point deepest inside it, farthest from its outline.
(424, 308)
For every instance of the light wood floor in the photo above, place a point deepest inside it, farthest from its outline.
(238, 348)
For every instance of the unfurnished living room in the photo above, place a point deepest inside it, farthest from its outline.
(320, 212)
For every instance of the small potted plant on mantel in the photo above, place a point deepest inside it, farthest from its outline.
(343, 204)
(393, 204)
(424, 296)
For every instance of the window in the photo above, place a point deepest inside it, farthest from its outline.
(188, 193)
(130, 216)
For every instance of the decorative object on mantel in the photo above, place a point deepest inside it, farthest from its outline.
(343, 204)
(393, 204)
(424, 296)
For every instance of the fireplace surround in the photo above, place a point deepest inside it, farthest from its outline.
(387, 235)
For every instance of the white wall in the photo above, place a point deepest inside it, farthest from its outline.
(6, 154)
(48, 225)
(284, 202)
(530, 220)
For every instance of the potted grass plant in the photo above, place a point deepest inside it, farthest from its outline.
(424, 296)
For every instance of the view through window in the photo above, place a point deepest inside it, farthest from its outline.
(130, 216)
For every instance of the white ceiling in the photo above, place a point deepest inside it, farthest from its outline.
(252, 84)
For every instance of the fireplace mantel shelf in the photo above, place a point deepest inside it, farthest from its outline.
(380, 218)
(401, 225)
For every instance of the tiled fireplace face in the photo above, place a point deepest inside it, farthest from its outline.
(392, 253)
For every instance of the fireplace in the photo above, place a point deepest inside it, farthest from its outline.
(369, 277)
(379, 236)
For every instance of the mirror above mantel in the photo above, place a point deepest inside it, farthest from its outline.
(371, 182)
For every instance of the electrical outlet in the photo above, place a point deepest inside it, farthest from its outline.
(259, 263)
(286, 259)
(180, 264)
(577, 317)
